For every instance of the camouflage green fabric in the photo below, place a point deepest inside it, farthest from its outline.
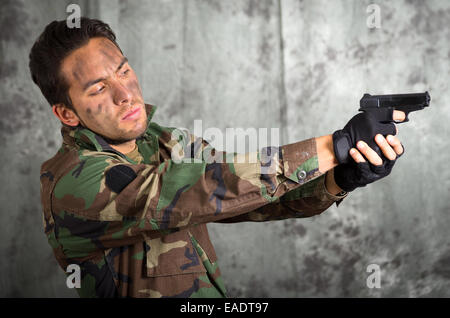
(139, 230)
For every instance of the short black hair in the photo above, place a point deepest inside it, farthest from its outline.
(52, 46)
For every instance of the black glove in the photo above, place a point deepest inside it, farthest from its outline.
(350, 176)
(363, 126)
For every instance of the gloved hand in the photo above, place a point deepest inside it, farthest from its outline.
(349, 176)
(363, 126)
(359, 172)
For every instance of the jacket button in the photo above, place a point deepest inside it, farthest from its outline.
(301, 174)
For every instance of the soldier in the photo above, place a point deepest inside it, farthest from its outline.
(117, 204)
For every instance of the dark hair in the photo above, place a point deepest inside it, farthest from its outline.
(53, 45)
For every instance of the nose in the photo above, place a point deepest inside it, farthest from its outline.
(122, 94)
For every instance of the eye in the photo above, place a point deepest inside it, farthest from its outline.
(98, 91)
(125, 72)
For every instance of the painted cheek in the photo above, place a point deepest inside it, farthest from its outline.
(109, 111)
(99, 108)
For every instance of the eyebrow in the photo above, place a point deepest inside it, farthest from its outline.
(90, 83)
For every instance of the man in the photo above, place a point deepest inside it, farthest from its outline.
(117, 204)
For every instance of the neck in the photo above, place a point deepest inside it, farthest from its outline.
(126, 147)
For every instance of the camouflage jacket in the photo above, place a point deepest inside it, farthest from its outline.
(139, 230)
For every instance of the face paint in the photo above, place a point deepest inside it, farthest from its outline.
(110, 54)
(134, 87)
(113, 94)
(78, 70)
(110, 57)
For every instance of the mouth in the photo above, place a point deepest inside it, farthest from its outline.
(133, 114)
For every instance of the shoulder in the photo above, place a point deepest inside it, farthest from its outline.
(169, 137)
(73, 178)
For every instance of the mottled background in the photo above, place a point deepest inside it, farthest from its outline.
(301, 66)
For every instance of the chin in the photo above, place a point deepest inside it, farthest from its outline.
(140, 128)
(125, 137)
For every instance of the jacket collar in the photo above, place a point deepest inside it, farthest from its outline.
(87, 139)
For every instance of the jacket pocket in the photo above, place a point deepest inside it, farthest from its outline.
(172, 254)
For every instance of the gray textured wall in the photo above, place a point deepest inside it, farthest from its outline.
(298, 65)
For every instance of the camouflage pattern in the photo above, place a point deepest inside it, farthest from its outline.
(150, 238)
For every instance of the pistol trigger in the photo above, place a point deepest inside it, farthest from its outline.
(406, 117)
(404, 121)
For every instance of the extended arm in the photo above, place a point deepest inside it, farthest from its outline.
(116, 201)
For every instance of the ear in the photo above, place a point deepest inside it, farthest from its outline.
(65, 115)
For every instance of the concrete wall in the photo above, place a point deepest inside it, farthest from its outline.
(301, 66)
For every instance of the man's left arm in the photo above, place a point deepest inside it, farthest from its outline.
(311, 198)
(319, 194)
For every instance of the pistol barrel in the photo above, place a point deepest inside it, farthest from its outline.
(376, 101)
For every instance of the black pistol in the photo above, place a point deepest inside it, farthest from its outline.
(385, 104)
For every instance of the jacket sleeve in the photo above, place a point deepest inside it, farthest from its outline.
(306, 201)
(107, 200)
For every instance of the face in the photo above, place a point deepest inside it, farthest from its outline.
(105, 92)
